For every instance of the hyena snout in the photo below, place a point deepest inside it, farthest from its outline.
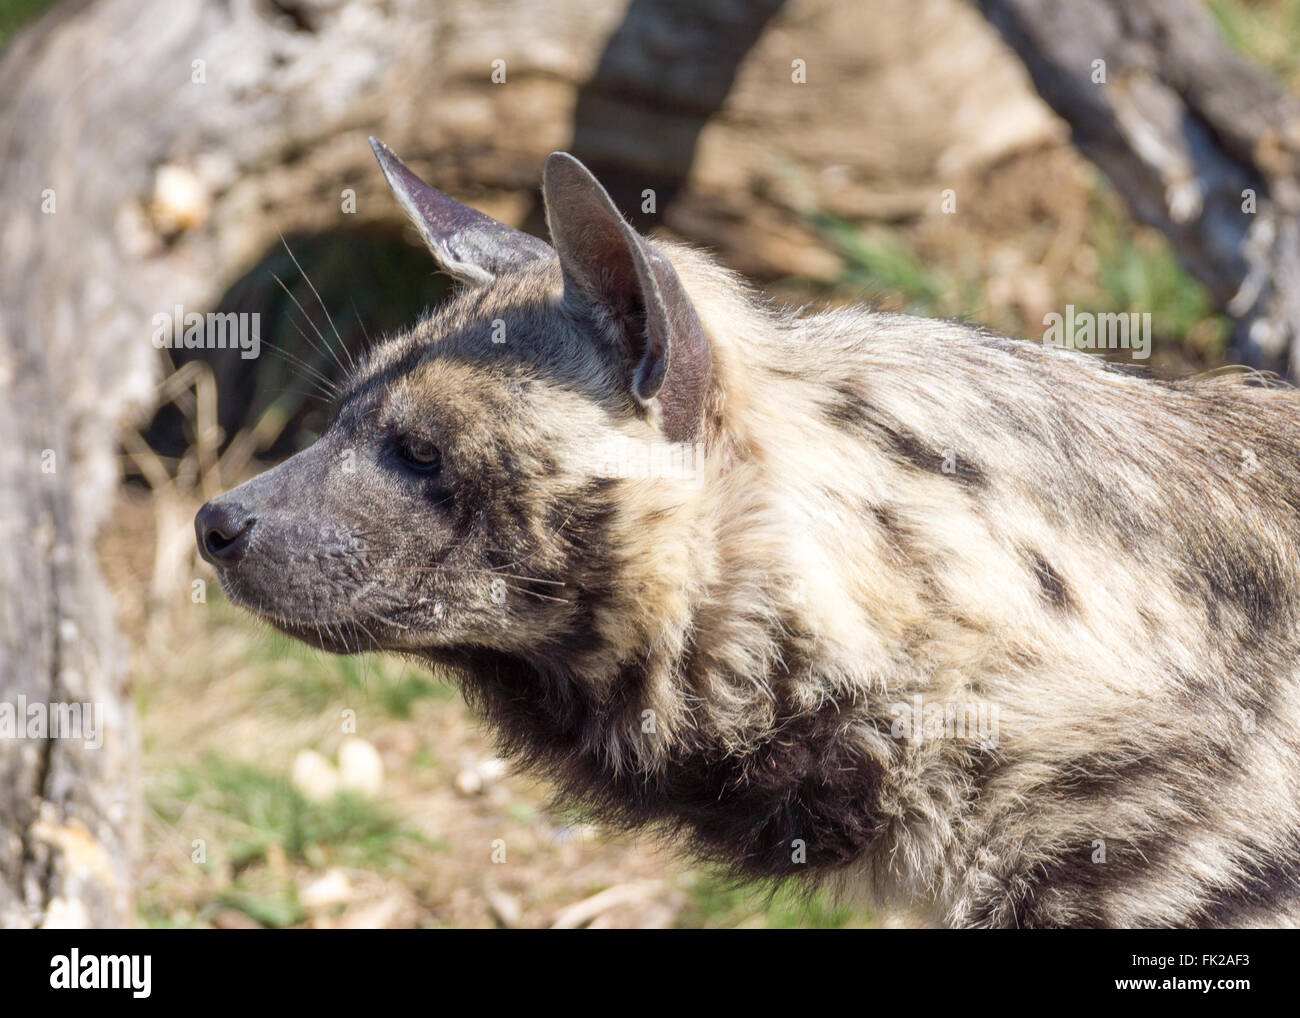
(253, 532)
(300, 543)
(223, 529)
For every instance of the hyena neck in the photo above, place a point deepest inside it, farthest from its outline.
(796, 799)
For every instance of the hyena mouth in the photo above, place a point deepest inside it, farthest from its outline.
(314, 624)
(335, 637)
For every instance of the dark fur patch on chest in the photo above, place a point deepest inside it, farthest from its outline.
(805, 798)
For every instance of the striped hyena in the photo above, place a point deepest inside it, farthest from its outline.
(988, 630)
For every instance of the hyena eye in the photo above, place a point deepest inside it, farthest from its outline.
(421, 456)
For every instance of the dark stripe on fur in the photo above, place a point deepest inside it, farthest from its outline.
(851, 411)
(1266, 879)
(1054, 589)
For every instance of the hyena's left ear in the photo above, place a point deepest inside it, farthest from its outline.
(470, 246)
(608, 264)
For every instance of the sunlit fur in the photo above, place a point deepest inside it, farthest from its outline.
(889, 507)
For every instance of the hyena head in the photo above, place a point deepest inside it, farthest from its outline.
(464, 496)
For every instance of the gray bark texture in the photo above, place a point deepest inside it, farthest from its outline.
(1188, 131)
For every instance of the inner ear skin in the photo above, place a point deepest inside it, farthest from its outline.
(606, 263)
(684, 370)
(472, 247)
(596, 259)
(595, 256)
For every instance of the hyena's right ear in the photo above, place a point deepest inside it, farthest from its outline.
(607, 264)
(470, 246)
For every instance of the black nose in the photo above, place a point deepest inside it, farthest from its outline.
(222, 531)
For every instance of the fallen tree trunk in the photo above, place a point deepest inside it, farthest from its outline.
(1199, 143)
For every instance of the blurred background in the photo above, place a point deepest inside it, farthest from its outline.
(952, 159)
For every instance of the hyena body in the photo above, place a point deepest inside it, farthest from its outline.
(888, 513)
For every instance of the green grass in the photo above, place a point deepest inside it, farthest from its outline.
(273, 910)
(16, 13)
(1137, 271)
(718, 901)
(259, 811)
(268, 899)
(256, 826)
(880, 261)
(1265, 31)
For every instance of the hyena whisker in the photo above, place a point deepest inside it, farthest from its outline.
(537, 594)
(328, 317)
(369, 346)
(365, 629)
(509, 586)
(535, 552)
(318, 388)
(308, 394)
(323, 345)
(324, 387)
(489, 571)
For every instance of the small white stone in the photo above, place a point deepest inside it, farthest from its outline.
(492, 769)
(315, 778)
(330, 888)
(361, 769)
(468, 782)
(66, 914)
(180, 199)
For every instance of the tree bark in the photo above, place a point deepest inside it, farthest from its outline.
(1199, 143)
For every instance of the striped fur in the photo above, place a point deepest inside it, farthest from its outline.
(888, 511)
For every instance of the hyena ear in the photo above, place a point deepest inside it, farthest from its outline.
(470, 246)
(608, 264)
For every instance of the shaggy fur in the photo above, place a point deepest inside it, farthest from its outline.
(888, 512)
